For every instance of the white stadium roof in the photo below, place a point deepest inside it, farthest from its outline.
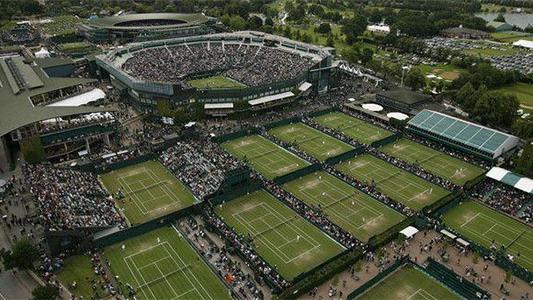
(82, 99)
(372, 107)
(270, 98)
(218, 105)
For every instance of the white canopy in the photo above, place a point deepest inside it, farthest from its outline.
(448, 234)
(378, 28)
(83, 153)
(398, 116)
(463, 242)
(82, 99)
(372, 107)
(218, 105)
(497, 173)
(304, 86)
(525, 184)
(190, 124)
(270, 98)
(524, 43)
(351, 99)
(409, 231)
(43, 53)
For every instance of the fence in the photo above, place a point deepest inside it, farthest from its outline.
(345, 156)
(388, 140)
(225, 196)
(282, 122)
(443, 202)
(234, 135)
(389, 234)
(323, 112)
(99, 169)
(297, 174)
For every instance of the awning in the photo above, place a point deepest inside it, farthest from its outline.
(448, 234)
(372, 107)
(218, 105)
(497, 173)
(398, 116)
(462, 242)
(81, 99)
(270, 98)
(515, 180)
(109, 155)
(122, 152)
(525, 184)
(524, 43)
(305, 86)
(409, 231)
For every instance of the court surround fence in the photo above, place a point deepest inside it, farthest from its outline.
(297, 174)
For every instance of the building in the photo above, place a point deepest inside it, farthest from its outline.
(483, 142)
(500, 26)
(145, 27)
(401, 99)
(464, 33)
(380, 28)
(35, 105)
(145, 95)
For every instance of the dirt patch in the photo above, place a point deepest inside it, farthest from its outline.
(450, 75)
(311, 184)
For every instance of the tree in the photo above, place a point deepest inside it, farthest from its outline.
(415, 79)
(496, 109)
(323, 28)
(22, 256)
(524, 163)
(524, 128)
(500, 18)
(366, 55)
(47, 292)
(330, 42)
(32, 149)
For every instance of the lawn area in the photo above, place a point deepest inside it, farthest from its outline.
(264, 156)
(522, 91)
(78, 269)
(161, 264)
(511, 36)
(446, 71)
(483, 225)
(392, 181)
(149, 190)
(354, 128)
(313, 142)
(283, 238)
(433, 161)
(62, 25)
(409, 283)
(492, 52)
(352, 210)
(215, 82)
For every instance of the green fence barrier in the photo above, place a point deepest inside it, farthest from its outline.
(376, 279)
(323, 112)
(389, 234)
(443, 202)
(282, 122)
(472, 182)
(388, 140)
(297, 174)
(100, 169)
(235, 135)
(345, 156)
(228, 195)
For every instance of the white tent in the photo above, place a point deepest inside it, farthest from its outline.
(524, 43)
(372, 107)
(398, 116)
(81, 99)
(497, 173)
(409, 231)
(43, 53)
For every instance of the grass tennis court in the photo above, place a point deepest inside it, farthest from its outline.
(354, 128)
(149, 189)
(409, 283)
(433, 161)
(392, 181)
(482, 225)
(352, 210)
(161, 264)
(283, 238)
(78, 269)
(215, 82)
(264, 156)
(313, 142)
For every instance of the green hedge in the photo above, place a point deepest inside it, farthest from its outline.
(235, 135)
(388, 140)
(323, 112)
(282, 122)
(297, 174)
(345, 156)
(389, 234)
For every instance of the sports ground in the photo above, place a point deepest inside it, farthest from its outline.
(280, 236)
(392, 181)
(354, 128)
(313, 142)
(215, 82)
(149, 190)
(264, 156)
(161, 264)
(355, 212)
(483, 225)
(409, 283)
(436, 162)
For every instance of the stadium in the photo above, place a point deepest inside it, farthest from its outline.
(143, 27)
(259, 69)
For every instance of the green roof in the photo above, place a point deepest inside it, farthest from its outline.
(17, 110)
(115, 21)
(461, 131)
(53, 62)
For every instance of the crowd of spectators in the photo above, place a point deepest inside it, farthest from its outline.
(248, 64)
(200, 164)
(88, 119)
(505, 198)
(68, 199)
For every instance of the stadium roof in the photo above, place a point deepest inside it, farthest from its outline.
(270, 98)
(218, 105)
(460, 131)
(405, 96)
(17, 110)
(520, 182)
(115, 21)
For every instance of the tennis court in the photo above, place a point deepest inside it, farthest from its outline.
(313, 142)
(161, 264)
(354, 128)
(436, 162)
(264, 156)
(352, 210)
(483, 225)
(146, 191)
(392, 181)
(409, 283)
(283, 238)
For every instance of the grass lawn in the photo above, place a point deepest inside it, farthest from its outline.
(62, 25)
(313, 142)
(392, 181)
(283, 238)
(352, 210)
(433, 161)
(447, 72)
(522, 91)
(409, 283)
(215, 82)
(150, 191)
(78, 269)
(161, 264)
(483, 225)
(492, 52)
(511, 36)
(74, 46)
(264, 156)
(352, 127)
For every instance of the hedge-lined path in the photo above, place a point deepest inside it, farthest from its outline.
(457, 261)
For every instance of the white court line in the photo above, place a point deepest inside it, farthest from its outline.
(469, 220)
